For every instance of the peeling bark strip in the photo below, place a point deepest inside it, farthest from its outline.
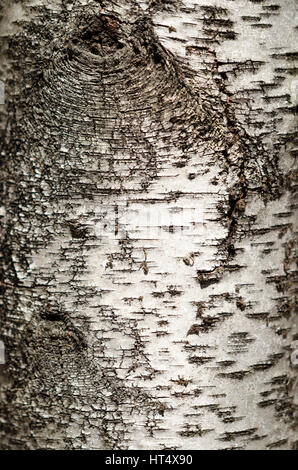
(148, 226)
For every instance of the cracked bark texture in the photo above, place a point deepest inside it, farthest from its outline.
(177, 333)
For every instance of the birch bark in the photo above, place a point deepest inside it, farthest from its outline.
(148, 224)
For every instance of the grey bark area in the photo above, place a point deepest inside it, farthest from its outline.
(148, 224)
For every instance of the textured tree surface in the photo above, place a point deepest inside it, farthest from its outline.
(148, 224)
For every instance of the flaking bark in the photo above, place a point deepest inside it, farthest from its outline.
(177, 334)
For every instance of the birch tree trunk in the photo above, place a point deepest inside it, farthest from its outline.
(148, 224)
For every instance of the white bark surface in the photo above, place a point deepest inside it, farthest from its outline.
(149, 225)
